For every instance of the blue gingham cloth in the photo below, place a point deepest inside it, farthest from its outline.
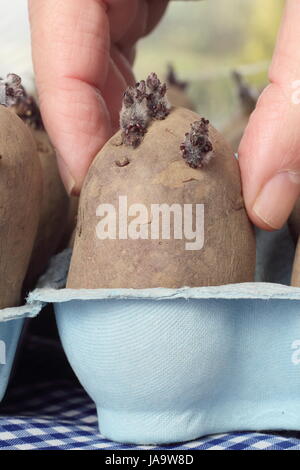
(52, 416)
(47, 409)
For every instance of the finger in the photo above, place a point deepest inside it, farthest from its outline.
(138, 27)
(129, 53)
(147, 15)
(269, 153)
(70, 41)
(119, 77)
(113, 92)
(157, 9)
(121, 14)
(123, 65)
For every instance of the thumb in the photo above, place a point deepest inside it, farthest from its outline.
(70, 46)
(269, 152)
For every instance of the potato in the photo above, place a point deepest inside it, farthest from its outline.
(54, 210)
(55, 201)
(294, 226)
(176, 91)
(179, 98)
(20, 196)
(69, 234)
(233, 131)
(295, 281)
(157, 167)
(294, 221)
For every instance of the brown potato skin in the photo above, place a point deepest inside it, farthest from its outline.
(294, 226)
(20, 196)
(157, 173)
(294, 221)
(69, 233)
(295, 280)
(234, 130)
(179, 98)
(54, 210)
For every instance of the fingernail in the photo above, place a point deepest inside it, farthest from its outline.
(277, 198)
(66, 176)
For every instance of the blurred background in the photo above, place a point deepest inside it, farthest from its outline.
(204, 40)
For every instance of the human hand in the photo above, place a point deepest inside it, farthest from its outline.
(269, 152)
(83, 51)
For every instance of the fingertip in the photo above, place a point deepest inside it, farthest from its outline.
(268, 157)
(277, 198)
(78, 123)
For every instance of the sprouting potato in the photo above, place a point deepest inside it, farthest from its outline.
(55, 201)
(233, 130)
(20, 195)
(162, 155)
(177, 91)
(294, 221)
(294, 226)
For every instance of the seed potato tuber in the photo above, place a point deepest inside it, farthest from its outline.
(180, 159)
(20, 195)
(55, 201)
(294, 226)
(234, 129)
(295, 280)
(176, 90)
(294, 221)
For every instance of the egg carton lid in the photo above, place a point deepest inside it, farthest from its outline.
(29, 310)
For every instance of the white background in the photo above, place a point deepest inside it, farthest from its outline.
(15, 53)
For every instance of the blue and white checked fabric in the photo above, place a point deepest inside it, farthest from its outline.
(59, 415)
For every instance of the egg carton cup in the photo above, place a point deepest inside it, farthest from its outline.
(12, 321)
(169, 365)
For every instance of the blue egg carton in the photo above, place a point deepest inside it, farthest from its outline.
(12, 321)
(169, 365)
